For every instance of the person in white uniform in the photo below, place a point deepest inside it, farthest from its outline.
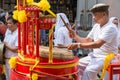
(10, 43)
(61, 33)
(102, 39)
(116, 21)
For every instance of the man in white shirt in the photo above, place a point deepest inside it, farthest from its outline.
(102, 39)
(11, 43)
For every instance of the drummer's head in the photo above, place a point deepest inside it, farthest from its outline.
(100, 13)
(100, 7)
(12, 23)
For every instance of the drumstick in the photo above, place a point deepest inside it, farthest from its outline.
(73, 25)
(61, 46)
(65, 23)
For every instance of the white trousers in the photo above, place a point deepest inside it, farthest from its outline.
(7, 69)
(89, 67)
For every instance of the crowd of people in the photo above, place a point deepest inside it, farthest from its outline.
(103, 39)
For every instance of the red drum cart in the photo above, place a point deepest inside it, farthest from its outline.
(29, 65)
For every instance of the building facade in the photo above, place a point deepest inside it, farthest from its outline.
(84, 17)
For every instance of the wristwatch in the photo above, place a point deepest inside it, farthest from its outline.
(79, 45)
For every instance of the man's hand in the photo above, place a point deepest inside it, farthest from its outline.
(13, 49)
(72, 34)
(5, 44)
(73, 46)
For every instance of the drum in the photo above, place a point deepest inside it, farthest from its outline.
(2, 49)
(58, 53)
(64, 66)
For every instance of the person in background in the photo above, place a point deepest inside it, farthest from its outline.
(115, 21)
(3, 29)
(8, 14)
(2, 16)
(43, 37)
(3, 23)
(61, 33)
(102, 39)
(2, 35)
(10, 43)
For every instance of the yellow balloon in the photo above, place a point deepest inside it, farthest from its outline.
(15, 14)
(22, 17)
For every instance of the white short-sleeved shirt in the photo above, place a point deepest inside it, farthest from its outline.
(12, 40)
(108, 33)
(63, 37)
(119, 36)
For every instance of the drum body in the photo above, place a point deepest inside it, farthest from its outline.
(60, 69)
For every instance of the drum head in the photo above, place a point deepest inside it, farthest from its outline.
(58, 53)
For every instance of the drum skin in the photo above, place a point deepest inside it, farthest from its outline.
(58, 53)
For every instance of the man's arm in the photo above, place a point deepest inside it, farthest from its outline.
(13, 49)
(96, 44)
